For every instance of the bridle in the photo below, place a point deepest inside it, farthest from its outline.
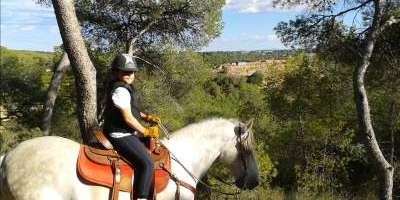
(241, 148)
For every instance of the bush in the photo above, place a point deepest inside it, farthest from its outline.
(256, 78)
(13, 133)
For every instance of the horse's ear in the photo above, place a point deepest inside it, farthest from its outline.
(249, 124)
(243, 127)
(240, 129)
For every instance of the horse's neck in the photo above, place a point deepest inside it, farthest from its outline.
(197, 151)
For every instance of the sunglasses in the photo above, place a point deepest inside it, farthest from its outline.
(126, 73)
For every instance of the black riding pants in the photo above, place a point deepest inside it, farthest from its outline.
(133, 150)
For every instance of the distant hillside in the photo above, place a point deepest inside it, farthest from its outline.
(46, 56)
(222, 57)
(41, 53)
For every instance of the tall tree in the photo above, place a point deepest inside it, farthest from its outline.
(135, 25)
(83, 69)
(320, 28)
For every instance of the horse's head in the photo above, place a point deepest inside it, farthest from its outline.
(239, 155)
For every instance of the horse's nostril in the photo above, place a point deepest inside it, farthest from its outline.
(252, 184)
(240, 183)
(255, 184)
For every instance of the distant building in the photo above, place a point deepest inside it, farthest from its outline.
(241, 63)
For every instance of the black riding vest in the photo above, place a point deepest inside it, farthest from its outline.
(113, 120)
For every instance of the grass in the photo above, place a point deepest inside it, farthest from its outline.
(279, 194)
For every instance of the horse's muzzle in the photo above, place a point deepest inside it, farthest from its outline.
(248, 182)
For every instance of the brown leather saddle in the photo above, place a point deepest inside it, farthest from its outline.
(107, 168)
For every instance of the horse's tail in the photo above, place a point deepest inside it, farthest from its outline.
(1, 164)
(1, 158)
(2, 178)
(1, 169)
(1, 175)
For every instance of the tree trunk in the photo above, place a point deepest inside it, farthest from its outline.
(363, 110)
(55, 83)
(83, 69)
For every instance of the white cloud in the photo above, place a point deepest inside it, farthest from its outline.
(27, 25)
(254, 6)
(25, 12)
(27, 28)
(24, 4)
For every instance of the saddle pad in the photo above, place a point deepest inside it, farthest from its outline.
(95, 173)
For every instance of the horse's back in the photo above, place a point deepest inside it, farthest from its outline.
(40, 168)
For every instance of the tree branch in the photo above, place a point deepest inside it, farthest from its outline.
(132, 41)
(351, 9)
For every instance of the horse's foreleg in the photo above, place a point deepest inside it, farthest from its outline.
(170, 192)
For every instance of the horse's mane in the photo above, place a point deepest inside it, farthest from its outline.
(194, 129)
(198, 127)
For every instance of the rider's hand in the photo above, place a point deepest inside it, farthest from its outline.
(152, 119)
(152, 131)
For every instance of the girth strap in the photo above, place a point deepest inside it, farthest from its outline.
(177, 192)
(117, 180)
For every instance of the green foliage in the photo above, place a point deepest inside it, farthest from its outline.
(166, 92)
(13, 133)
(24, 76)
(315, 119)
(111, 25)
(305, 125)
(339, 43)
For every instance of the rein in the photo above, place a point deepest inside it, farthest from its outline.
(196, 179)
(202, 182)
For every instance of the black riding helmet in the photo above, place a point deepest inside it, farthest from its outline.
(124, 62)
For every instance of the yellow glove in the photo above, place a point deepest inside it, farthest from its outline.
(152, 131)
(152, 119)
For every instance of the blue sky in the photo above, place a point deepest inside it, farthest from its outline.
(248, 25)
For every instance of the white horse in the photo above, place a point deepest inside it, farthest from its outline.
(44, 168)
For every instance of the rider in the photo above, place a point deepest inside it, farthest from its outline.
(122, 126)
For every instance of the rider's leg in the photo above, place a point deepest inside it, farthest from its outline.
(135, 152)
